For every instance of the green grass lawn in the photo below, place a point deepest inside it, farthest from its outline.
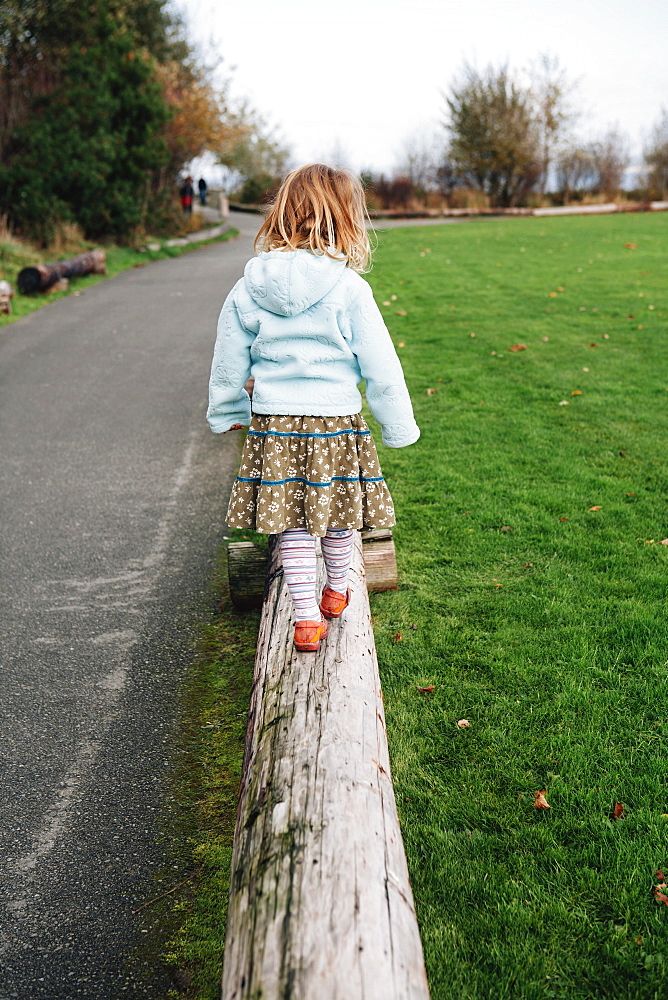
(533, 598)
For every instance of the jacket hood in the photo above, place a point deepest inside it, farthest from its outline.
(287, 282)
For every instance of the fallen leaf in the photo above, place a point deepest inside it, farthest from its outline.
(592, 345)
(528, 565)
(659, 874)
(563, 518)
(649, 541)
(430, 392)
(415, 627)
(553, 295)
(397, 637)
(471, 334)
(619, 812)
(595, 508)
(427, 690)
(545, 339)
(563, 402)
(401, 344)
(631, 316)
(506, 527)
(631, 246)
(576, 392)
(660, 897)
(387, 302)
(559, 288)
(664, 541)
(540, 802)
(606, 336)
(401, 312)
(463, 723)
(518, 347)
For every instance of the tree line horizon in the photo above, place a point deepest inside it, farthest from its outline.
(105, 105)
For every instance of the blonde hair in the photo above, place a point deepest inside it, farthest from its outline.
(321, 209)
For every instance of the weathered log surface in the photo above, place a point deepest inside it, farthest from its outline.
(43, 276)
(320, 901)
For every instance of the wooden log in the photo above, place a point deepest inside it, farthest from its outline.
(320, 902)
(42, 276)
(380, 560)
(246, 568)
(6, 294)
(247, 572)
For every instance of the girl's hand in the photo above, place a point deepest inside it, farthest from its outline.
(234, 427)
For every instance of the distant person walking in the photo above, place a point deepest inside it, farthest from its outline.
(202, 185)
(187, 193)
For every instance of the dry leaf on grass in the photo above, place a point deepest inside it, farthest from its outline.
(427, 690)
(619, 812)
(401, 312)
(463, 723)
(518, 347)
(659, 896)
(596, 508)
(631, 246)
(397, 637)
(540, 802)
(430, 392)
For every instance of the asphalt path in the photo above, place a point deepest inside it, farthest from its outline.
(112, 497)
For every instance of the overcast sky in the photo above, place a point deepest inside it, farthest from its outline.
(358, 78)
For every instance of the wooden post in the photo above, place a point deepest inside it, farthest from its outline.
(320, 902)
(43, 276)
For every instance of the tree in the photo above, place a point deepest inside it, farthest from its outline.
(417, 161)
(550, 90)
(575, 171)
(87, 144)
(656, 159)
(610, 158)
(254, 155)
(494, 141)
(99, 110)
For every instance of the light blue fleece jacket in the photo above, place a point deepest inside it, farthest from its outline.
(308, 330)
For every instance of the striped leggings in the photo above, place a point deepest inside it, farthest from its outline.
(298, 555)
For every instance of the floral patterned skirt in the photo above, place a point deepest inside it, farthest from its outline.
(309, 472)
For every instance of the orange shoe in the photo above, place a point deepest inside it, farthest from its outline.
(308, 635)
(333, 604)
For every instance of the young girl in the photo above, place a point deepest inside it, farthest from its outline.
(305, 325)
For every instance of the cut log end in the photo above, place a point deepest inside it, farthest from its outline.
(29, 280)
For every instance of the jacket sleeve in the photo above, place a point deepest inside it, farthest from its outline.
(386, 390)
(229, 403)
